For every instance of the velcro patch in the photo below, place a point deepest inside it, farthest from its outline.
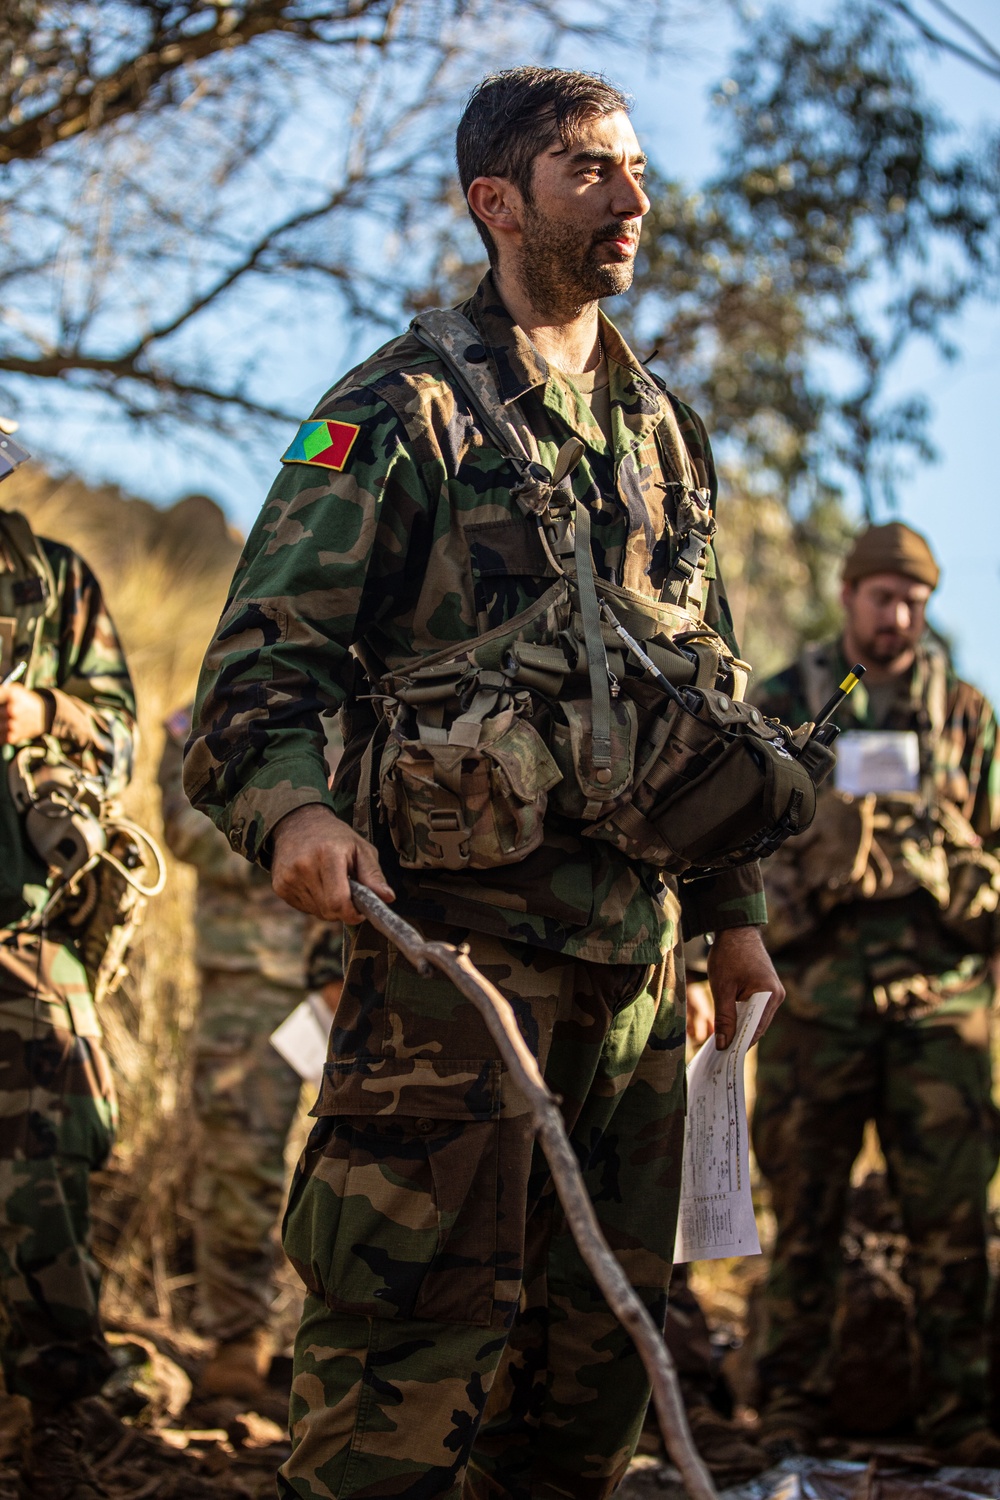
(326, 444)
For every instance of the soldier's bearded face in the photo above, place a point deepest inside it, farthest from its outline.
(885, 617)
(580, 228)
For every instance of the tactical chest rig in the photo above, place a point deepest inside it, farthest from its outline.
(614, 713)
(882, 846)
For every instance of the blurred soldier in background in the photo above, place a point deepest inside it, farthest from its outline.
(65, 692)
(256, 959)
(884, 922)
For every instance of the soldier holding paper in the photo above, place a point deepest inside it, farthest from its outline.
(885, 925)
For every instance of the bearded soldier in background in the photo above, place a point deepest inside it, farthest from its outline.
(883, 918)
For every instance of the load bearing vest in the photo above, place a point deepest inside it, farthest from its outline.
(542, 715)
(880, 846)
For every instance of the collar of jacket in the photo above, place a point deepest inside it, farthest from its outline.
(911, 688)
(519, 368)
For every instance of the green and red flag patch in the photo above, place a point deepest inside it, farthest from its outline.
(326, 444)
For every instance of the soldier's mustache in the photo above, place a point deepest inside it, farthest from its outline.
(616, 232)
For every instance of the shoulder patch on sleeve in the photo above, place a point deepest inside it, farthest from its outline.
(325, 444)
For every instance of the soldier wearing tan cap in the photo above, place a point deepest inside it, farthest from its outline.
(884, 924)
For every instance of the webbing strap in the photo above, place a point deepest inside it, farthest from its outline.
(597, 656)
(366, 782)
(452, 336)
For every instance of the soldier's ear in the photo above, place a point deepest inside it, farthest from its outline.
(497, 203)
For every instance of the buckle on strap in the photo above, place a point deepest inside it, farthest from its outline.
(451, 838)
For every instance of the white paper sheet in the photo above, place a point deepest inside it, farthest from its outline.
(877, 760)
(302, 1038)
(716, 1214)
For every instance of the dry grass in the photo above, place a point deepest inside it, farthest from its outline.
(165, 576)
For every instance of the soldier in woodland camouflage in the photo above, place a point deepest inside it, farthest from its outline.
(885, 925)
(57, 1101)
(453, 1342)
(256, 957)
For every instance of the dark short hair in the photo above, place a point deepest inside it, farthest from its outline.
(513, 116)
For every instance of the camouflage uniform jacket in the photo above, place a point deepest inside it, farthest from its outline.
(241, 926)
(966, 755)
(408, 541)
(77, 665)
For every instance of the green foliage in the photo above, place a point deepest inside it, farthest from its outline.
(845, 223)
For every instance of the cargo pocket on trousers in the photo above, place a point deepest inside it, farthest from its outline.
(394, 1214)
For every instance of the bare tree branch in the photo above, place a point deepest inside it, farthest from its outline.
(990, 64)
(967, 26)
(86, 102)
(171, 167)
(115, 369)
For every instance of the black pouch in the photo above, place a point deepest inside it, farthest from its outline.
(717, 785)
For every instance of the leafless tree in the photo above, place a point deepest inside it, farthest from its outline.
(197, 196)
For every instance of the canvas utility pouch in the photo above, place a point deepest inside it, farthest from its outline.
(455, 806)
(587, 791)
(716, 785)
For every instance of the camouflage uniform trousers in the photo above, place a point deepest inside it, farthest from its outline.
(57, 1122)
(926, 1084)
(453, 1342)
(246, 1098)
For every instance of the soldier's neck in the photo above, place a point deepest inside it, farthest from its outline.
(567, 338)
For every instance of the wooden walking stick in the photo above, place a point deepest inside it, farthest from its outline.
(548, 1127)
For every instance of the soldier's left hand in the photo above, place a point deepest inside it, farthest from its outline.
(23, 714)
(739, 966)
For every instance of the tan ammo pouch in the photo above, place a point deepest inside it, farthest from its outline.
(973, 898)
(715, 786)
(469, 791)
(586, 791)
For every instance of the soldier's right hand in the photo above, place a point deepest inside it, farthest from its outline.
(315, 855)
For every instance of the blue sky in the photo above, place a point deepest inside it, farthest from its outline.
(954, 501)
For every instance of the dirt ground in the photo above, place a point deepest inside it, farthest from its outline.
(148, 1439)
(156, 1441)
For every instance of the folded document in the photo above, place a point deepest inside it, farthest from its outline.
(716, 1214)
